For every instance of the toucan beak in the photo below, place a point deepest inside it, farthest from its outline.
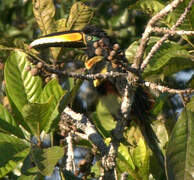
(61, 39)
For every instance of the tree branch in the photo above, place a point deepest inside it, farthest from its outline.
(163, 89)
(70, 165)
(171, 32)
(83, 123)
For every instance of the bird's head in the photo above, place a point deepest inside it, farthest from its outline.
(102, 53)
(71, 39)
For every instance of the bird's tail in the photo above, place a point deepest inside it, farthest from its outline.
(140, 107)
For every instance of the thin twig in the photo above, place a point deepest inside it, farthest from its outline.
(163, 89)
(70, 165)
(124, 176)
(83, 76)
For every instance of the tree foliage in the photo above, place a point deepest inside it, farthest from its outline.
(38, 138)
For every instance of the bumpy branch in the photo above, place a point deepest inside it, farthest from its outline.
(171, 32)
(83, 123)
(70, 166)
(168, 90)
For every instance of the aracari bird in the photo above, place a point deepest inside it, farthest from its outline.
(105, 56)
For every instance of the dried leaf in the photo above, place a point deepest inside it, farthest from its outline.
(44, 11)
(79, 16)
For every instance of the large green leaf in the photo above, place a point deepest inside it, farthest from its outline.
(12, 151)
(141, 159)
(177, 64)
(191, 82)
(125, 157)
(99, 126)
(46, 159)
(36, 116)
(169, 53)
(17, 115)
(79, 16)
(21, 86)
(52, 90)
(7, 123)
(107, 107)
(180, 150)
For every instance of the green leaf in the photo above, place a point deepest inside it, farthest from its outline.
(161, 133)
(190, 105)
(44, 11)
(30, 177)
(150, 7)
(28, 88)
(190, 82)
(7, 123)
(99, 126)
(13, 151)
(120, 19)
(141, 159)
(167, 56)
(125, 156)
(131, 51)
(36, 116)
(60, 23)
(46, 159)
(177, 64)
(79, 16)
(107, 107)
(17, 115)
(96, 168)
(52, 90)
(159, 104)
(192, 17)
(180, 150)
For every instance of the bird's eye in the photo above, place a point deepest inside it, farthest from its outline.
(89, 38)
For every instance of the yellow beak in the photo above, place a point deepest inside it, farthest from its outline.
(61, 39)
